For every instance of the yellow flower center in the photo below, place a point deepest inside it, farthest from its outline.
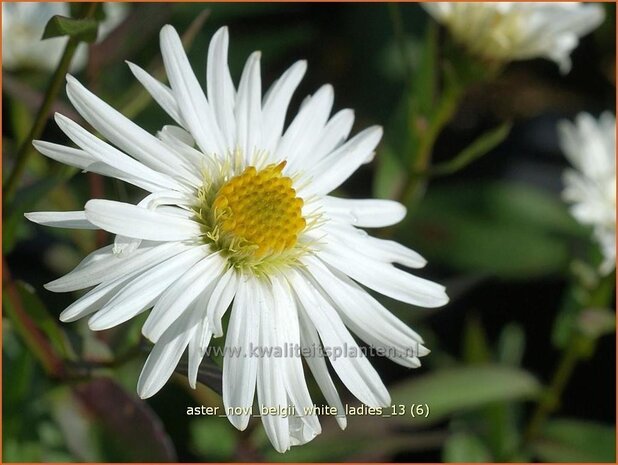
(258, 211)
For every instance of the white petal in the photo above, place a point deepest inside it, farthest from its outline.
(354, 369)
(365, 213)
(67, 155)
(221, 92)
(111, 156)
(87, 162)
(142, 292)
(194, 108)
(299, 432)
(317, 364)
(125, 134)
(181, 142)
(177, 134)
(173, 198)
(304, 130)
(276, 103)
(333, 170)
(350, 238)
(103, 265)
(106, 170)
(93, 300)
(248, 110)
(366, 316)
(334, 134)
(124, 245)
(286, 318)
(270, 376)
(71, 220)
(164, 358)
(121, 131)
(188, 286)
(160, 92)
(221, 299)
(199, 342)
(385, 278)
(141, 223)
(240, 368)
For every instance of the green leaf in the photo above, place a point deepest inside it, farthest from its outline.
(567, 440)
(459, 389)
(389, 176)
(84, 30)
(29, 332)
(504, 229)
(213, 439)
(25, 200)
(479, 147)
(476, 348)
(566, 319)
(536, 208)
(131, 431)
(80, 9)
(465, 447)
(488, 247)
(43, 319)
(424, 80)
(21, 119)
(75, 424)
(346, 446)
(511, 344)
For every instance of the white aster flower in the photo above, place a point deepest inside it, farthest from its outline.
(239, 216)
(507, 31)
(23, 24)
(590, 146)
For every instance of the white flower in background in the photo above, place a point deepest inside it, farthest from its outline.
(507, 31)
(23, 24)
(239, 216)
(590, 146)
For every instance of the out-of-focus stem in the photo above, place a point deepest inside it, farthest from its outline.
(422, 161)
(32, 335)
(55, 84)
(400, 37)
(550, 400)
(577, 348)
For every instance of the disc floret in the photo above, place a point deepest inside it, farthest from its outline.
(255, 218)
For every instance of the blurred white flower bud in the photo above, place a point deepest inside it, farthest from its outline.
(23, 24)
(507, 31)
(590, 146)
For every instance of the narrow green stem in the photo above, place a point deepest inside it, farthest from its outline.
(422, 161)
(577, 348)
(37, 342)
(55, 84)
(550, 400)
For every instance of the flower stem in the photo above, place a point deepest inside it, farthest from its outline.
(25, 149)
(52, 363)
(422, 161)
(550, 400)
(400, 37)
(580, 345)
